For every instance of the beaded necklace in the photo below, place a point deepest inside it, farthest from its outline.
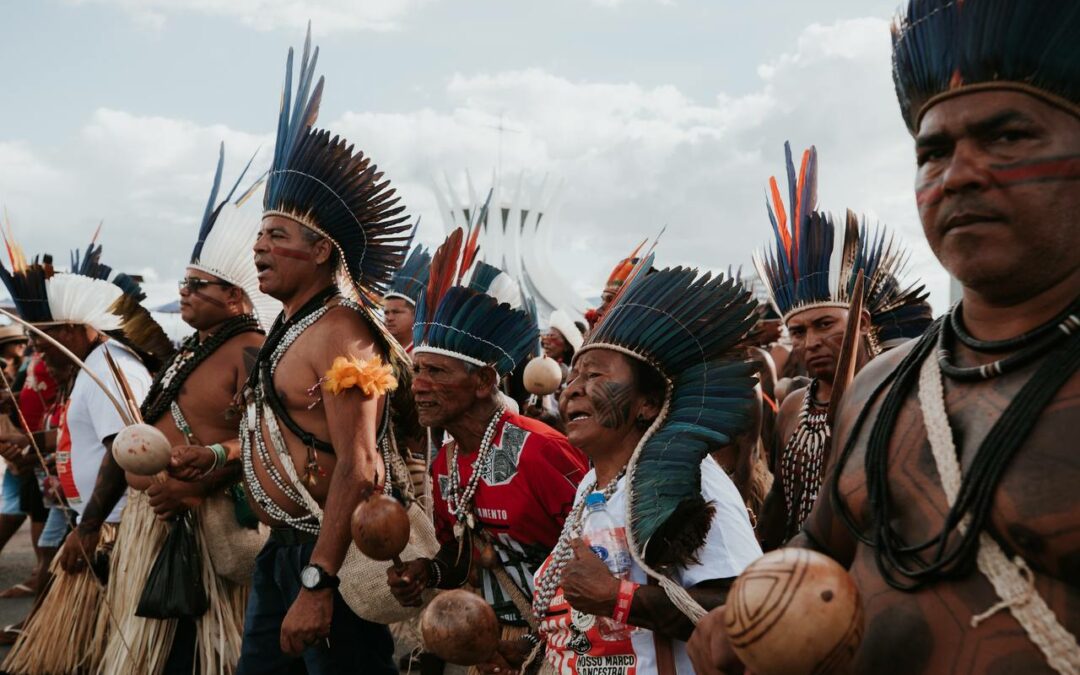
(282, 335)
(956, 324)
(459, 502)
(804, 459)
(1037, 343)
(548, 583)
(166, 386)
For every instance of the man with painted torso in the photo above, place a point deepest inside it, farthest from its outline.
(996, 377)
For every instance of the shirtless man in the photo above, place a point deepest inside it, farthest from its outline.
(311, 236)
(816, 332)
(997, 197)
(194, 402)
(816, 316)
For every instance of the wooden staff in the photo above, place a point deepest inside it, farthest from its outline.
(75, 359)
(849, 351)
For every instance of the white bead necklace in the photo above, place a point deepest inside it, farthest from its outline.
(459, 502)
(551, 579)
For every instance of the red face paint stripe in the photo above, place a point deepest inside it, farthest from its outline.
(928, 195)
(290, 253)
(1065, 168)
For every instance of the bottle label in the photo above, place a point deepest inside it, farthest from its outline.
(601, 553)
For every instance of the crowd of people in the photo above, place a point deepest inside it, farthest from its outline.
(708, 418)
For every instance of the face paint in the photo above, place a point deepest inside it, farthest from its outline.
(291, 253)
(929, 193)
(611, 401)
(206, 298)
(1042, 170)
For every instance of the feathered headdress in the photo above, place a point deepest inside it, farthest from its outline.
(226, 236)
(561, 321)
(320, 182)
(942, 48)
(806, 269)
(459, 321)
(410, 280)
(686, 326)
(91, 294)
(622, 270)
(493, 281)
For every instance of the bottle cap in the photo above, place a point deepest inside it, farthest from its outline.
(595, 500)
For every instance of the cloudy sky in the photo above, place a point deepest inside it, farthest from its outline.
(651, 113)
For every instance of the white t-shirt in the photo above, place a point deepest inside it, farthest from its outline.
(91, 418)
(574, 642)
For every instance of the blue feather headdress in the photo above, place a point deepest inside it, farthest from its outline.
(319, 181)
(410, 280)
(686, 326)
(459, 321)
(942, 48)
(806, 269)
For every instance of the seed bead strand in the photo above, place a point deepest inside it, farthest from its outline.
(306, 523)
(459, 502)
(551, 579)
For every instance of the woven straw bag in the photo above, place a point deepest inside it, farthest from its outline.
(363, 580)
(231, 546)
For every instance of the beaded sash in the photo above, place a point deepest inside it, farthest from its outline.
(259, 410)
(256, 412)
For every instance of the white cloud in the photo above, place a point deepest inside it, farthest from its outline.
(638, 158)
(633, 159)
(326, 15)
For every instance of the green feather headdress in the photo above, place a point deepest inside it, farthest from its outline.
(687, 326)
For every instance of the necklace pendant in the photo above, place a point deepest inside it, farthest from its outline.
(312, 471)
(459, 530)
(470, 521)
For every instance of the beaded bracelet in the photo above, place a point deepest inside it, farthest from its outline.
(221, 455)
(434, 573)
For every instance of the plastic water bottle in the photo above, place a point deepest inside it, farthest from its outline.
(608, 542)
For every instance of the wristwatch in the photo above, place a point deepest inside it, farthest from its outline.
(315, 578)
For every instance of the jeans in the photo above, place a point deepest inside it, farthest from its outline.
(56, 527)
(9, 504)
(355, 645)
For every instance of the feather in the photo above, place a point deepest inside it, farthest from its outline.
(472, 248)
(689, 326)
(443, 269)
(942, 45)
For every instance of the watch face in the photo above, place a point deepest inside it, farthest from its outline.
(309, 577)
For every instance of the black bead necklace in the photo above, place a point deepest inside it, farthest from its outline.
(1025, 348)
(166, 385)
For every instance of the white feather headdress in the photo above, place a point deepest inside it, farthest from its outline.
(562, 322)
(74, 298)
(226, 238)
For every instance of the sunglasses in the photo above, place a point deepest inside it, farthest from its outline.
(194, 284)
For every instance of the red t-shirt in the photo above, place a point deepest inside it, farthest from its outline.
(525, 492)
(37, 394)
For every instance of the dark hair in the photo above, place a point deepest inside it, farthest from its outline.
(648, 380)
(312, 237)
(568, 353)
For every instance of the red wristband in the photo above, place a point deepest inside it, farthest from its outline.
(624, 600)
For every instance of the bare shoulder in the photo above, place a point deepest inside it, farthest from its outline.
(866, 382)
(341, 330)
(243, 343)
(792, 403)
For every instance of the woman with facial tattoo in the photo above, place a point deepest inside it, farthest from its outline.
(656, 385)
